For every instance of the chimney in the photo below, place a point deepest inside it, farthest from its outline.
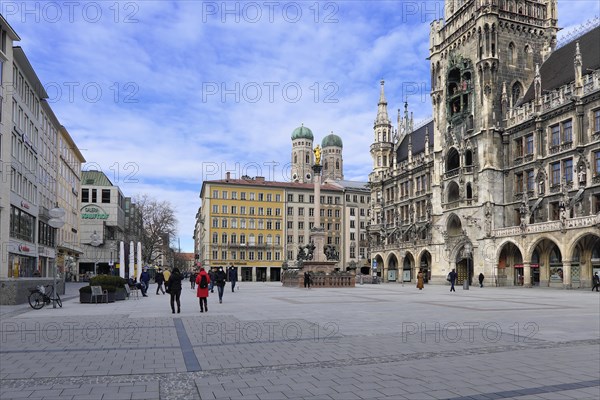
(227, 176)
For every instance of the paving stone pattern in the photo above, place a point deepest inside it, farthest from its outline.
(384, 341)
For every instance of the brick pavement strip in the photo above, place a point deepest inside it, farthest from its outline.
(396, 355)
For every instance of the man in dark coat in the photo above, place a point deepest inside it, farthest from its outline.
(453, 275)
(175, 289)
(159, 278)
(213, 276)
(145, 279)
(481, 278)
(220, 278)
(232, 275)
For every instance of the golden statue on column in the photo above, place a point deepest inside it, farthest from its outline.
(317, 152)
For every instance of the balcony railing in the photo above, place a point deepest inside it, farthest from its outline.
(451, 173)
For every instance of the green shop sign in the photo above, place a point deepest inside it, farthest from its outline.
(93, 212)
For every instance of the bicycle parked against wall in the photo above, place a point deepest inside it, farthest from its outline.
(42, 295)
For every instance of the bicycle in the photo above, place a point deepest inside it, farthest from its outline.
(40, 296)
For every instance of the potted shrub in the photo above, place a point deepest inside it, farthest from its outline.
(111, 292)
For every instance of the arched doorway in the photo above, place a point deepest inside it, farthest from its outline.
(378, 266)
(547, 255)
(464, 263)
(585, 260)
(407, 267)
(392, 269)
(425, 266)
(510, 266)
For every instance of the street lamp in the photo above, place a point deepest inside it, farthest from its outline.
(56, 221)
(468, 251)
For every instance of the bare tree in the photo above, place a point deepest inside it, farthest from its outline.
(159, 226)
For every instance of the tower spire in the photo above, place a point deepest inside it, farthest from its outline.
(382, 114)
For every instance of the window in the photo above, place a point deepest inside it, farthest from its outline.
(269, 211)
(234, 197)
(311, 199)
(529, 144)
(243, 210)
(337, 213)
(243, 223)
(215, 223)
(94, 196)
(278, 211)
(85, 195)
(106, 195)
(242, 255)
(300, 198)
(290, 197)
(242, 238)
(215, 194)
(530, 180)
(224, 209)
(352, 212)
(261, 211)
(234, 223)
(596, 121)
(555, 173)
(234, 209)
(261, 197)
(518, 183)
(568, 169)
(252, 196)
(215, 238)
(224, 223)
(290, 211)
(311, 212)
(233, 238)
(300, 225)
(555, 135)
(300, 239)
(224, 193)
(301, 211)
(330, 213)
(250, 255)
(597, 162)
(260, 239)
(567, 128)
(215, 255)
(278, 197)
(290, 224)
(243, 195)
(519, 147)
(290, 239)
(215, 209)
(352, 224)
(269, 225)
(278, 225)
(269, 197)
(224, 238)
(251, 210)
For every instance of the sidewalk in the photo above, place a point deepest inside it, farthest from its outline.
(381, 341)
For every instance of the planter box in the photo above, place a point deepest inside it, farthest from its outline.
(120, 294)
(85, 297)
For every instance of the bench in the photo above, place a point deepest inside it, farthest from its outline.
(98, 292)
(131, 290)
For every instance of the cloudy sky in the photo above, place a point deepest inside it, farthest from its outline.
(161, 95)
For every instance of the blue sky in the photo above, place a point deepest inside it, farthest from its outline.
(161, 95)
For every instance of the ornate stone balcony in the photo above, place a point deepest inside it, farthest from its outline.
(572, 223)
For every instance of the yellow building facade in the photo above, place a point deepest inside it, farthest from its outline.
(242, 224)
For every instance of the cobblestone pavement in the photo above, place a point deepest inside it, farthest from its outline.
(268, 342)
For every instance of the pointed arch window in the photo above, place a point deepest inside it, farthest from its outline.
(528, 57)
(337, 165)
(511, 53)
(517, 92)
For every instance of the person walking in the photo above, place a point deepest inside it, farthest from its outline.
(453, 275)
(481, 278)
(212, 276)
(232, 275)
(193, 276)
(596, 282)
(220, 278)
(307, 279)
(145, 280)
(159, 278)
(174, 289)
(202, 281)
(420, 280)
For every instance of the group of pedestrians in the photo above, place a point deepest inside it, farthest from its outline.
(206, 282)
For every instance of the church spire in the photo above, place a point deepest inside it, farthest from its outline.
(382, 114)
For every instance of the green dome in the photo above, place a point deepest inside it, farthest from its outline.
(332, 140)
(302, 132)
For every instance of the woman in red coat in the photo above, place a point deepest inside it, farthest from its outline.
(202, 281)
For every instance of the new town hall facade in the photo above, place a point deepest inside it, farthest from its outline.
(505, 178)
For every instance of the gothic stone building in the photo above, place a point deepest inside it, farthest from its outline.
(505, 180)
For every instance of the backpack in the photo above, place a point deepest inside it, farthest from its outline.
(203, 282)
(448, 277)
